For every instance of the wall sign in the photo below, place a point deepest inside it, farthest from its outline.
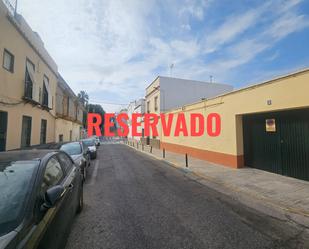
(270, 125)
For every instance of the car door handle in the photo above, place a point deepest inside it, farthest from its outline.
(71, 186)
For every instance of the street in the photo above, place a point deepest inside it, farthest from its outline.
(134, 201)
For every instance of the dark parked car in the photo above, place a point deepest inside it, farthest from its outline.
(40, 193)
(79, 154)
(89, 144)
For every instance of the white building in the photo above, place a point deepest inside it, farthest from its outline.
(166, 93)
(136, 106)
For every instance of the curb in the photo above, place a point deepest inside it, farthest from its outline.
(288, 213)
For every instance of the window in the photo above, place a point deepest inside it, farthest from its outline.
(65, 162)
(72, 148)
(43, 131)
(61, 138)
(148, 106)
(40, 94)
(29, 79)
(45, 91)
(156, 103)
(53, 174)
(16, 182)
(26, 131)
(8, 61)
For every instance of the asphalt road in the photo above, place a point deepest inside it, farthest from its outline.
(135, 201)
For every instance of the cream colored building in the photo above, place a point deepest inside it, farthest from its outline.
(28, 85)
(166, 93)
(265, 126)
(135, 107)
(69, 113)
(28, 77)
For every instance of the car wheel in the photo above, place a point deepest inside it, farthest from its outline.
(80, 200)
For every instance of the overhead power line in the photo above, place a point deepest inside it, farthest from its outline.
(106, 102)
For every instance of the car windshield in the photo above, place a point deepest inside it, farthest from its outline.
(89, 142)
(15, 185)
(72, 148)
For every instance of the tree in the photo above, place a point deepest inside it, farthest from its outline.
(92, 108)
(83, 97)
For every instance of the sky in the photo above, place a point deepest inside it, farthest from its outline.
(113, 49)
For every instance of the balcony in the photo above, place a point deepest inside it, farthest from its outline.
(28, 90)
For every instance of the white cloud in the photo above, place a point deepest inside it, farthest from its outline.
(232, 27)
(118, 47)
(193, 8)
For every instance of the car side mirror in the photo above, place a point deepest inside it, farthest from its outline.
(52, 195)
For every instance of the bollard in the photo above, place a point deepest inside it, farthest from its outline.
(163, 153)
(142, 147)
(186, 160)
(150, 149)
(137, 145)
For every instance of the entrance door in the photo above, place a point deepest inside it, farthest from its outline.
(26, 132)
(3, 129)
(278, 142)
(43, 131)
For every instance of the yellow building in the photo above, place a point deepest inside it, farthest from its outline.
(265, 126)
(166, 93)
(28, 85)
(69, 112)
(28, 80)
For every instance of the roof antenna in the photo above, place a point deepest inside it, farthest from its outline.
(211, 78)
(15, 10)
(171, 69)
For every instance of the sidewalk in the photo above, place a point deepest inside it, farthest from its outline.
(282, 197)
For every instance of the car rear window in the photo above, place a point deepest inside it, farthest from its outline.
(89, 142)
(72, 148)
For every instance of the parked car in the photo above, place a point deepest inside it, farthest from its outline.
(40, 193)
(89, 144)
(79, 154)
(97, 140)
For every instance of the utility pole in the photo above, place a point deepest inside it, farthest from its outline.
(15, 10)
(211, 78)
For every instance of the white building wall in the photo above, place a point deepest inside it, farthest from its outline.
(137, 106)
(178, 92)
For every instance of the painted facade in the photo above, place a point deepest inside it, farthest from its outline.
(29, 82)
(166, 93)
(286, 93)
(28, 77)
(69, 113)
(137, 106)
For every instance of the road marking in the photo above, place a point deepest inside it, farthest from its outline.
(94, 173)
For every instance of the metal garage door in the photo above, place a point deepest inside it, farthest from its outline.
(278, 142)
